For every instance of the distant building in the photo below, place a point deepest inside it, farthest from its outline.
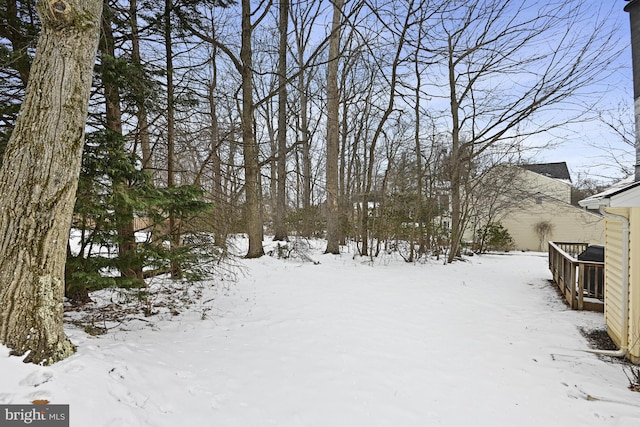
(537, 208)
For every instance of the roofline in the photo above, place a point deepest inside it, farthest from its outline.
(566, 167)
(605, 199)
(622, 190)
(601, 202)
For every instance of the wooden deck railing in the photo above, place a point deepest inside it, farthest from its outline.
(581, 282)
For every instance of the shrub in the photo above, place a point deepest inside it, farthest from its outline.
(493, 237)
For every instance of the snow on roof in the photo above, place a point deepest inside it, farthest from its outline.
(604, 197)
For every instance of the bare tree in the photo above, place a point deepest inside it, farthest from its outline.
(253, 208)
(500, 78)
(498, 187)
(303, 17)
(333, 219)
(281, 195)
(39, 178)
(219, 197)
(398, 31)
(243, 64)
(617, 156)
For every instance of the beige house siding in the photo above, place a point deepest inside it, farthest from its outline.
(530, 198)
(622, 199)
(568, 224)
(613, 276)
(536, 183)
(634, 288)
(614, 314)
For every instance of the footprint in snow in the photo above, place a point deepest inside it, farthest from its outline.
(198, 391)
(128, 397)
(36, 378)
(74, 367)
(218, 400)
(122, 420)
(184, 374)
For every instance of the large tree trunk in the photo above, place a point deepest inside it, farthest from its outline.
(343, 203)
(306, 149)
(253, 208)
(217, 191)
(455, 165)
(333, 213)
(306, 165)
(301, 27)
(39, 178)
(419, 179)
(281, 188)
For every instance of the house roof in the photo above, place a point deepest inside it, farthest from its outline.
(558, 170)
(622, 194)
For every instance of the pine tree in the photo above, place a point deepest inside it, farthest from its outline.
(19, 27)
(97, 215)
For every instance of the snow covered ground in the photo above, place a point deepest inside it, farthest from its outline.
(485, 342)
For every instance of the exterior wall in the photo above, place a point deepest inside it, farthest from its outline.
(634, 285)
(536, 183)
(613, 276)
(530, 198)
(569, 224)
(613, 280)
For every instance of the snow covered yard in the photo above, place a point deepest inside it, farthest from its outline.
(480, 343)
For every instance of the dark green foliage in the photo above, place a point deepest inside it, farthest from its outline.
(493, 237)
(99, 209)
(96, 214)
(137, 84)
(19, 28)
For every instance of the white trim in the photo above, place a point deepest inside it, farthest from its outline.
(626, 199)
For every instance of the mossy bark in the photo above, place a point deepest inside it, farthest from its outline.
(38, 181)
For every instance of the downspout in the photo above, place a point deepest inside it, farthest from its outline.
(624, 339)
(634, 17)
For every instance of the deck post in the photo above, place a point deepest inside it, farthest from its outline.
(581, 280)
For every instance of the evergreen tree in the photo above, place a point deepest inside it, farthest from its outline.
(94, 262)
(19, 27)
